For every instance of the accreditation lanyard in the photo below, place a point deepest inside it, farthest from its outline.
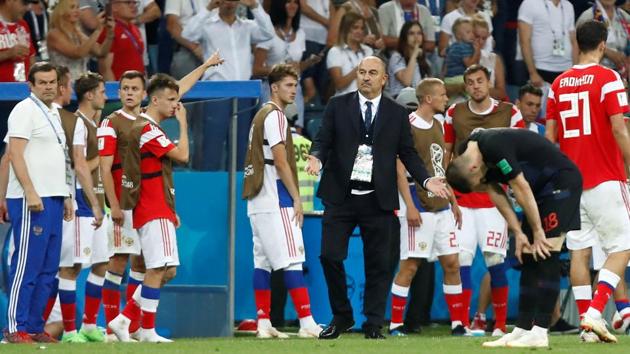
(132, 38)
(556, 39)
(45, 112)
(193, 7)
(38, 34)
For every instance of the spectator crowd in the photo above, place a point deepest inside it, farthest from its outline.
(533, 40)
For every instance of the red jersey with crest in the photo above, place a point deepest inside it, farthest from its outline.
(581, 101)
(110, 136)
(154, 144)
(461, 121)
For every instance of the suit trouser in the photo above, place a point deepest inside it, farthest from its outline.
(376, 226)
(34, 263)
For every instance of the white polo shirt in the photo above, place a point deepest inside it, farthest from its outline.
(548, 21)
(44, 152)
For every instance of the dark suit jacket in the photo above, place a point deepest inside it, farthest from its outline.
(339, 137)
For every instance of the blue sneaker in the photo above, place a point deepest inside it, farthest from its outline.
(398, 332)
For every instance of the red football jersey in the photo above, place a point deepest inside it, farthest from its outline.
(457, 128)
(581, 101)
(152, 202)
(108, 145)
(10, 35)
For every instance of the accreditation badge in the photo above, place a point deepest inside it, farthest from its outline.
(362, 169)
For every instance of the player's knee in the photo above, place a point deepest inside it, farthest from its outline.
(493, 259)
(117, 263)
(465, 258)
(137, 264)
(450, 264)
(169, 275)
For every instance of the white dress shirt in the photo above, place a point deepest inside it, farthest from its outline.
(232, 41)
(363, 106)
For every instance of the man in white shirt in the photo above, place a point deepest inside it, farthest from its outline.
(38, 185)
(221, 30)
(547, 45)
(187, 55)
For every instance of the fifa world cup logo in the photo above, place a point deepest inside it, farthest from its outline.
(437, 157)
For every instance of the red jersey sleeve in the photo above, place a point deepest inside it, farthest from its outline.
(107, 139)
(614, 95)
(517, 118)
(552, 108)
(449, 132)
(154, 141)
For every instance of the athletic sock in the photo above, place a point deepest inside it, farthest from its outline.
(68, 301)
(262, 293)
(623, 307)
(399, 301)
(294, 281)
(548, 289)
(607, 283)
(499, 286)
(527, 294)
(464, 272)
(111, 296)
(135, 279)
(93, 293)
(52, 298)
(132, 309)
(583, 295)
(150, 300)
(453, 297)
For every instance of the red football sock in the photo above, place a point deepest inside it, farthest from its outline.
(398, 308)
(466, 297)
(602, 294)
(49, 306)
(455, 306)
(263, 303)
(132, 310)
(131, 288)
(301, 302)
(69, 313)
(582, 306)
(499, 304)
(148, 320)
(91, 309)
(111, 304)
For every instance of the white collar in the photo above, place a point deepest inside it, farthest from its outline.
(493, 105)
(584, 66)
(55, 105)
(375, 101)
(125, 114)
(148, 117)
(420, 122)
(214, 17)
(92, 123)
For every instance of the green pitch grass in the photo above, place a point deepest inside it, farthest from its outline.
(433, 340)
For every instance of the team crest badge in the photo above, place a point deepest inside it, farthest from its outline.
(128, 241)
(37, 230)
(301, 249)
(87, 251)
(422, 245)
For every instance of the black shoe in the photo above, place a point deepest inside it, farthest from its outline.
(334, 329)
(458, 331)
(373, 333)
(415, 329)
(562, 327)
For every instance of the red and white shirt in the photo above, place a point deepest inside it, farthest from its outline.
(581, 101)
(11, 34)
(151, 205)
(108, 146)
(273, 194)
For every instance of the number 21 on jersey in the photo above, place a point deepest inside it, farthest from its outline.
(579, 107)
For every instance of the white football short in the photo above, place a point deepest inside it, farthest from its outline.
(82, 244)
(483, 227)
(123, 239)
(435, 237)
(605, 217)
(277, 240)
(159, 243)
